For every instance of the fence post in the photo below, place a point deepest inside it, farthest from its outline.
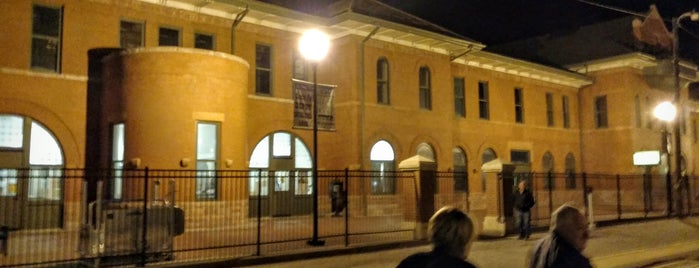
(618, 197)
(144, 234)
(346, 196)
(549, 179)
(259, 212)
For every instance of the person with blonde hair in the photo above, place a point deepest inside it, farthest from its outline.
(451, 232)
(564, 244)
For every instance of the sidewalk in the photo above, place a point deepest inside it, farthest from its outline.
(634, 244)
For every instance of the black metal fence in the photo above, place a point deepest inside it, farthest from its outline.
(138, 216)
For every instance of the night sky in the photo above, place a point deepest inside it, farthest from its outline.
(494, 22)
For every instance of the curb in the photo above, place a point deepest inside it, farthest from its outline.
(648, 256)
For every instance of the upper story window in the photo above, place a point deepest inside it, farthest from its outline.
(207, 157)
(263, 69)
(519, 105)
(549, 109)
(168, 37)
(425, 89)
(601, 112)
(637, 110)
(483, 106)
(46, 38)
(566, 112)
(459, 97)
(383, 95)
(130, 34)
(204, 41)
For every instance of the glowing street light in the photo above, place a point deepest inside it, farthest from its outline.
(314, 45)
(666, 111)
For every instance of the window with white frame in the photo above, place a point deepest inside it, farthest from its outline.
(118, 136)
(382, 159)
(207, 157)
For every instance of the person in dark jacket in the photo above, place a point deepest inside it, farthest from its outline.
(523, 202)
(564, 244)
(451, 232)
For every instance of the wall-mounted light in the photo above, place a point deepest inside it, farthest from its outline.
(184, 162)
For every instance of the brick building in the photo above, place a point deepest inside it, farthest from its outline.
(208, 85)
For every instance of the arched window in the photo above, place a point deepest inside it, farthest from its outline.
(281, 150)
(425, 150)
(28, 144)
(382, 166)
(460, 170)
(383, 92)
(547, 169)
(425, 88)
(570, 171)
(487, 156)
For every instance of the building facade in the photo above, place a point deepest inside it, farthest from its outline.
(209, 85)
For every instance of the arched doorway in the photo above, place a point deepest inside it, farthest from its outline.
(31, 174)
(280, 176)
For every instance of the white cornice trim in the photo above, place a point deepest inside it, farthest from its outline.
(517, 67)
(280, 18)
(631, 60)
(69, 77)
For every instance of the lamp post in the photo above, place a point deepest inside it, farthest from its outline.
(694, 16)
(666, 111)
(314, 45)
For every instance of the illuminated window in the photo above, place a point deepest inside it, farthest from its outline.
(117, 159)
(11, 131)
(382, 166)
(207, 156)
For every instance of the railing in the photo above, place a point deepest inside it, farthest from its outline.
(174, 216)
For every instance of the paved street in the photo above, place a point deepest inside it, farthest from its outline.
(653, 243)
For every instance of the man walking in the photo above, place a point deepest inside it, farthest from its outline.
(523, 202)
(564, 244)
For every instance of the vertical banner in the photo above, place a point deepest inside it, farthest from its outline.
(303, 105)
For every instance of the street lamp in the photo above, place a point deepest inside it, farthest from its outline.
(314, 45)
(666, 111)
(694, 16)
